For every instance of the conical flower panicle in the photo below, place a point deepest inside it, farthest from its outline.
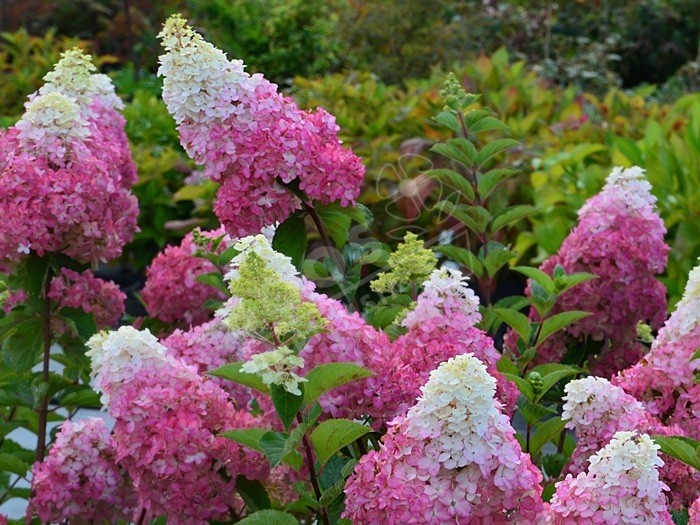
(620, 239)
(452, 458)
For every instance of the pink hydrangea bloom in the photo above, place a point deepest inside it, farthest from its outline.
(596, 410)
(3, 519)
(172, 293)
(621, 486)
(15, 297)
(167, 418)
(453, 458)
(694, 512)
(619, 238)
(665, 380)
(207, 347)
(64, 189)
(80, 481)
(250, 137)
(102, 299)
(440, 326)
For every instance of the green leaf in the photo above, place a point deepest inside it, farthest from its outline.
(17, 394)
(552, 379)
(331, 375)
(337, 221)
(569, 281)
(24, 344)
(510, 215)
(695, 356)
(464, 257)
(516, 320)
(497, 256)
(253, 493)
(488, 124)
(506, 366)
(537, 275)
(286, 403)
(333, 434)
(557, 322)
(11, 463)
(491, 179)
(291, 239)
(546, 432)
(279, 448)
(533, 412)
(249, 437)
(81, 322)
(387, 308)
(269, 517)
(189, 193)
(683, 449)
(82, 396)
(449, 120)
(214, 279)
(460, 150)
(524, 387)
(494, 148)
(454, 180)
(232, 372)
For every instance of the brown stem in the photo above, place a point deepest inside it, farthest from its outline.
(323, 232)
(312, 472)
(562, 439)
(43, 407)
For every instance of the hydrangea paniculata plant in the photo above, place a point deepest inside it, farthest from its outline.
(249, 137)
(452, 458)
(621, 486)
(619, 238)
(167, 418)
(80, 480)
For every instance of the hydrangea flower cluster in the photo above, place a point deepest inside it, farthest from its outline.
(166, 421)
(694, 512)
(619, 238)
(276, 367)
(66, 168)
(249, 137)
(596, 409)
(621, 486)
(665, 380)
(172, 293)
(453, 458)
(440, 326)
(80, 480)
(103, 299)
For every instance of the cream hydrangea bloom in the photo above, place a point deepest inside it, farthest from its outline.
(49, 117)
(276, 368)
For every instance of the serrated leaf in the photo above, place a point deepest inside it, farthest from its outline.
(683, 449)
(506, 366)
(24, 344)
(331, 375)
(454, 180)
(387, 308)
(537, 275)
(555, 323)
(291, 239)
(333, 434)
(546, 432)
(232, 372)
(488, 124)
(449, 120)
(83, 396)
(516, 320)
(464, 257)
(510, 215)
(249, 437)
(459, 150)
(81, 322)
(269, 517)
(498, 255)
(491, 179)
(286, 404)
(533, 412)
(494, 148)
(575, 279)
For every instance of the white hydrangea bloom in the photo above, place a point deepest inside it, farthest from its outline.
(458, 413)
(260, 245)
(595, 400)
(118, 354)
(686, 317)
(200, 84)
(629, 186)
(49, 117)
(276, 368)
(627, 454)
(444, 285)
